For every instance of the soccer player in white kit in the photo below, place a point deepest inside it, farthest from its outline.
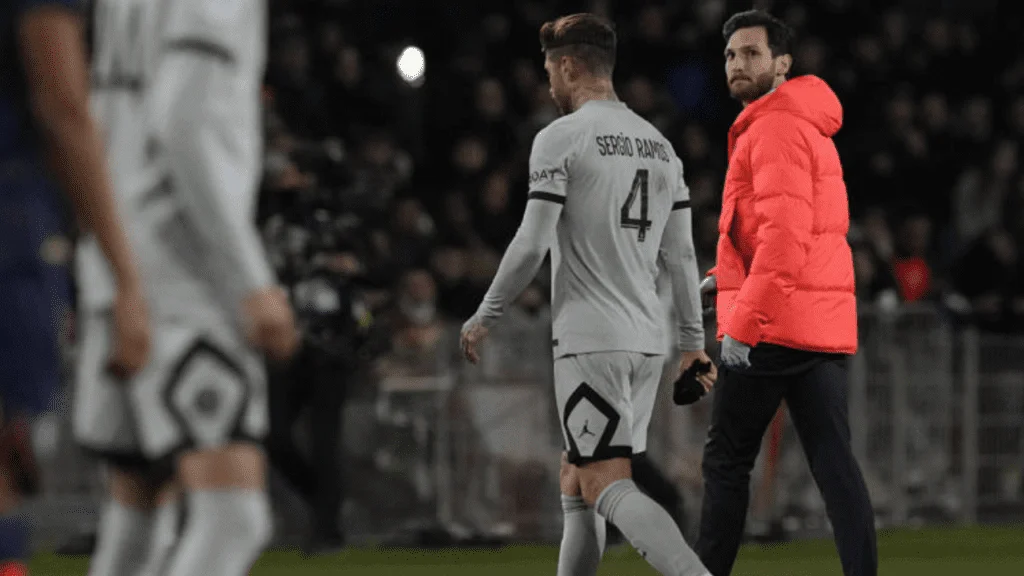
(176, 84)
(607, 196)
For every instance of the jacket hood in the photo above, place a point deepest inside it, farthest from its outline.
(807, 97)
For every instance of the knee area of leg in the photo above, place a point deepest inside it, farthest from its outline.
(569, 480)
(591, 486)
(724, 467)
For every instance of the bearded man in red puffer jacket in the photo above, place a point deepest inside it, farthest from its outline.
(787, 315)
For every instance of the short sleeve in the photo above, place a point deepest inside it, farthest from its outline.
(681, 192)
(554, 148)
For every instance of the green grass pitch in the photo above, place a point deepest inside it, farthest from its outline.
(931, 552)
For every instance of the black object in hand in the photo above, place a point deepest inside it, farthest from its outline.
(686, 389)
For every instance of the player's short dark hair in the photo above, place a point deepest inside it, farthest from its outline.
(780, 35)
(587, 37)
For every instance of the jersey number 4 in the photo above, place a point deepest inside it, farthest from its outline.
(642, 224)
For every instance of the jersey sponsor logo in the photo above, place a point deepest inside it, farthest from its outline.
(546, 175)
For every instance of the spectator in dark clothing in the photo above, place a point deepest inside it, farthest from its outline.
(315, 382)
(492, 119)
(298, 95)
(496, 218)
(874, 277)
(456, 295)
(412, 234)
(988, 275)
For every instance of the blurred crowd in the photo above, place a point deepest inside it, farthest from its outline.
(389, 204)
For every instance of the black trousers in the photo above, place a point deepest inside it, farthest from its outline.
(653, 482)
(742, 410)
(313, 380)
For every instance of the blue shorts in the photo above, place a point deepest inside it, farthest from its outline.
(30, 364)
(33, 293)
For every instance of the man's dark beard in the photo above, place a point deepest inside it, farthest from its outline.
(755, 89)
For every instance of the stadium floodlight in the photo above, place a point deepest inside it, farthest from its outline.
(412, 65)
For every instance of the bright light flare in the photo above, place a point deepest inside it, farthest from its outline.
(412, 65)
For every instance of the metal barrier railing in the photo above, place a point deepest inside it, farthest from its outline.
(937, 416)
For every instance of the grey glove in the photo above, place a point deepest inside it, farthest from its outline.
(735, 354)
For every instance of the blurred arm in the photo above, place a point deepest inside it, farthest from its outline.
(195, 86)
(52, 48)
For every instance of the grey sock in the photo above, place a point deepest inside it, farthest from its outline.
(122, 541)
(582, 538)
(165, 532)
(224, 534)
(649, 528)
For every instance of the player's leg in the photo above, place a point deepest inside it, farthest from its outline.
(596, 395)
(328, 396)
(139, 524)
(29, 375)
(123, 535)
(18, 477)
(288, 388)
(583, 531)
(764, 523)
(644, 522)
(102, 423)
(165, 529)
(211, 412)
(14, 527)
(818, 404)
(229, 515)
(742, 408)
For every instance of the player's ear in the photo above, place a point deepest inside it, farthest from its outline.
(785, 65)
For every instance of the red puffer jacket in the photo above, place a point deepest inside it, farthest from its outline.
(784, 268)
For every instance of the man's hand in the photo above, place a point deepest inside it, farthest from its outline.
(708, 292)
(130, 348)
(735, 354)
(707, 380)
(473, 332)
(270, 323)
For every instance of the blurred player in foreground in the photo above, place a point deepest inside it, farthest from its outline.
(178, 85)
(46, 131)
(787, 315)
(607, 197)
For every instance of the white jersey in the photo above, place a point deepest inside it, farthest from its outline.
(619, 180)
(176, 88)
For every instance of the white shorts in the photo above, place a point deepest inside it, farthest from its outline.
(605, 400)
(202, 388)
